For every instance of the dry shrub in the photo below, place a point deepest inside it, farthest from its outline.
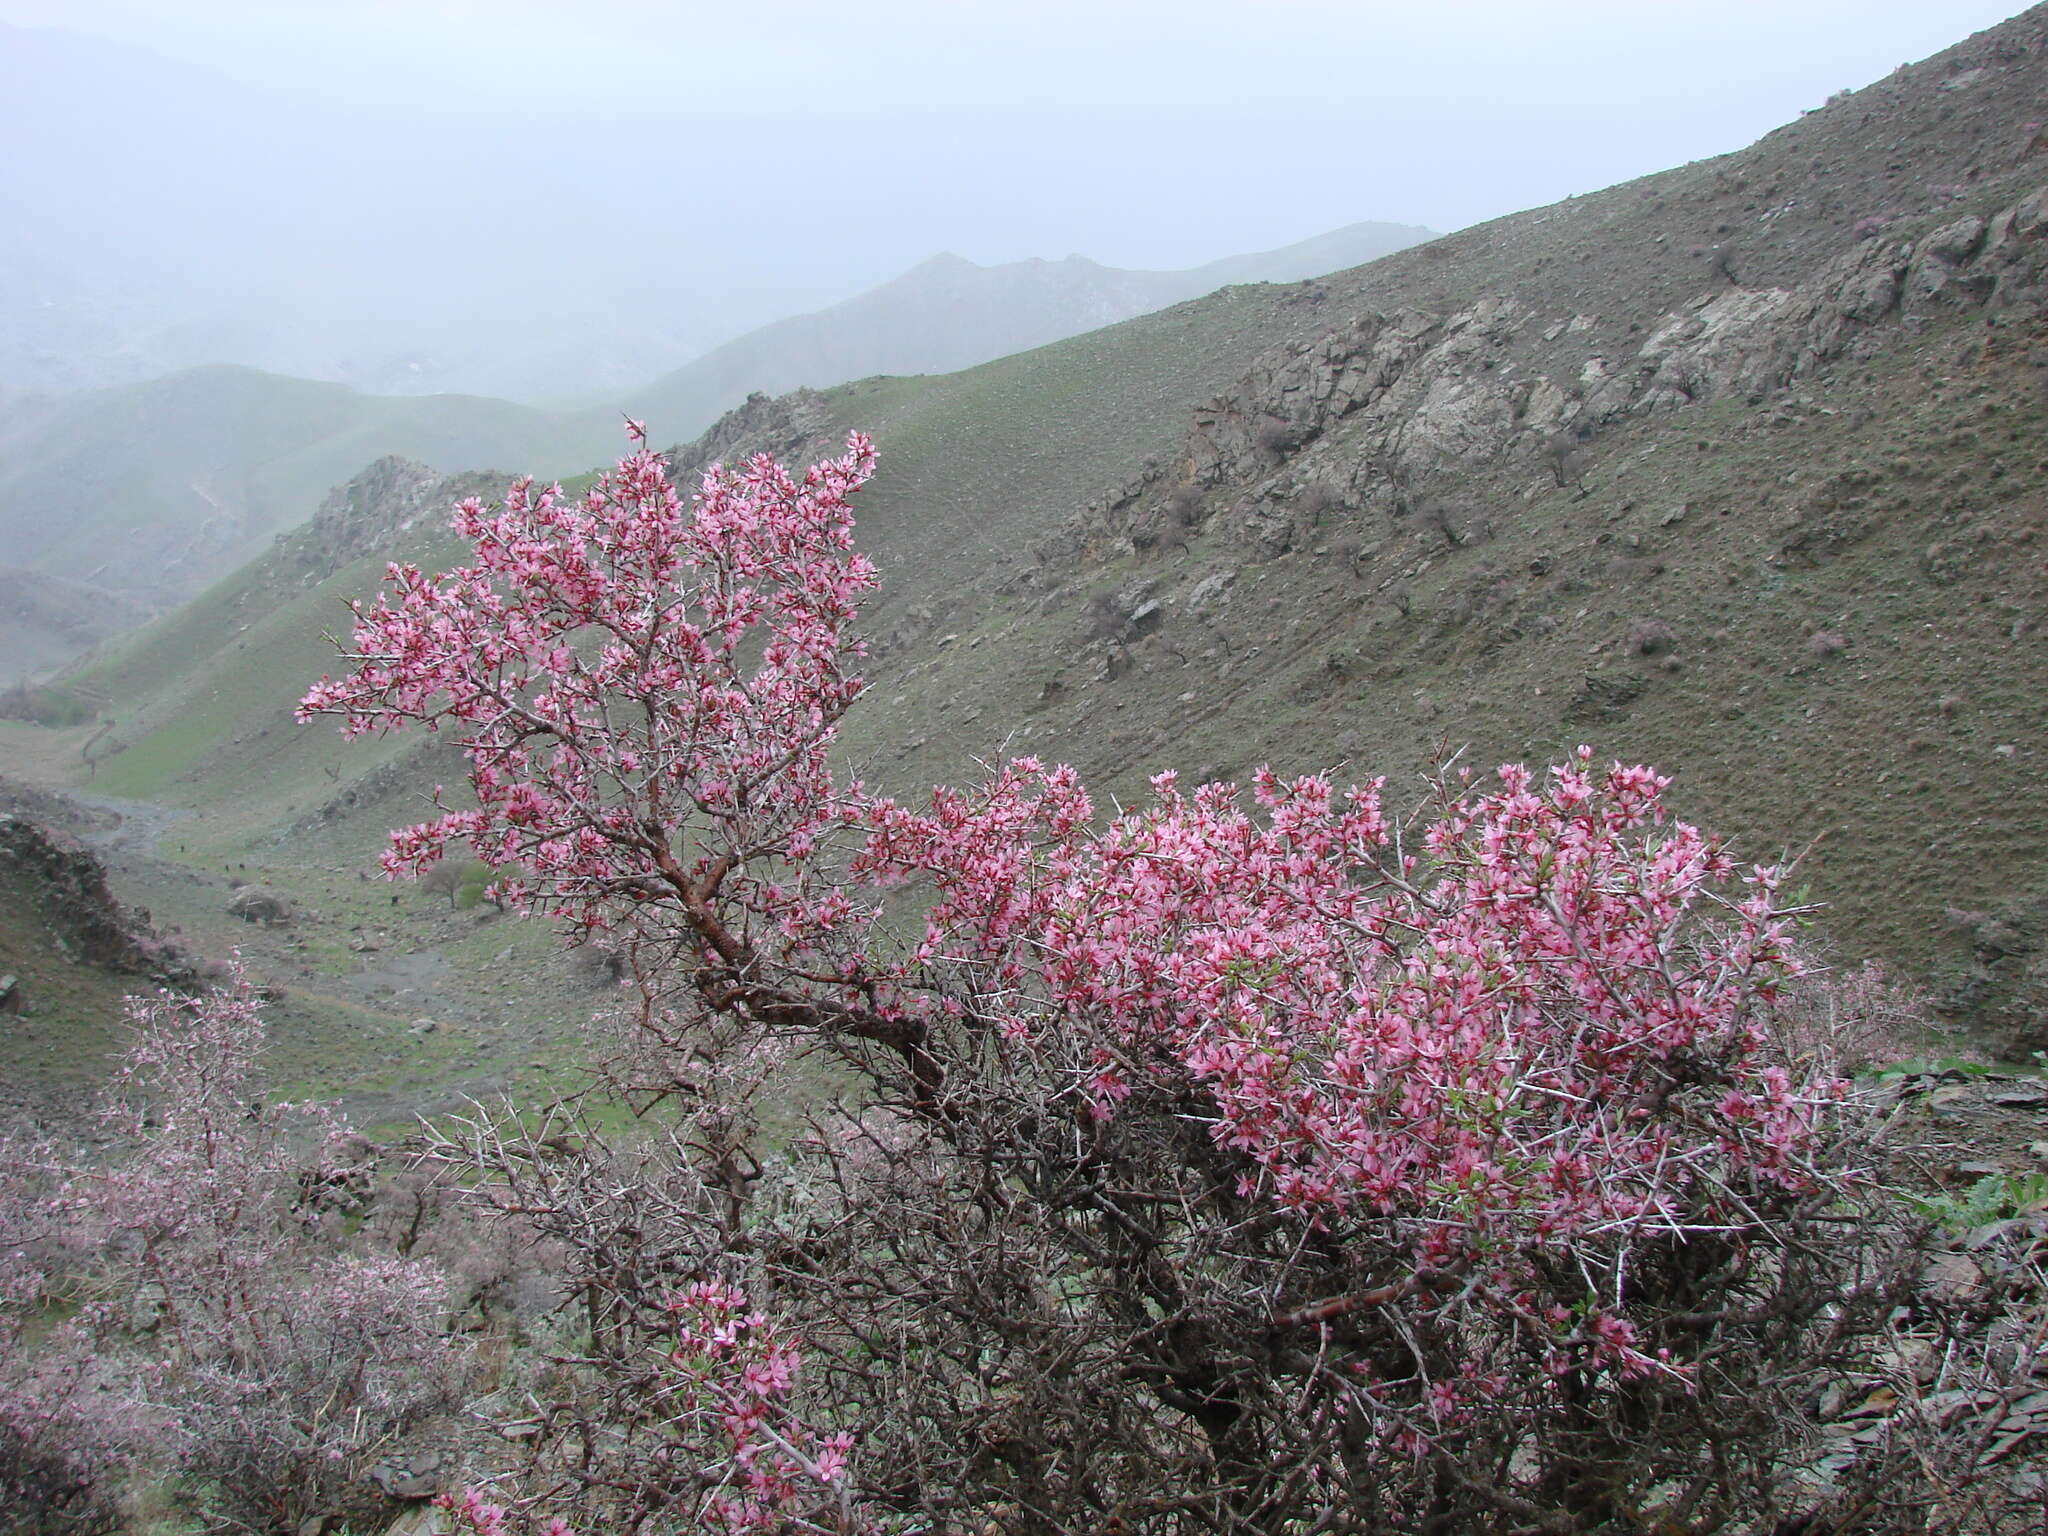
(1652, 637)
(1277, 437)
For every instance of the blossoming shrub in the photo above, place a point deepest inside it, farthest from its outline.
(61, 1451)
(1219, 1167)
(227, 1345)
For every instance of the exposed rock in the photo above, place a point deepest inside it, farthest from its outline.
(65, 883)
(261, 904)
(1211, 592)
(410, 1477)
(420, 1520)
(371, 511)
(792, 428)
(1603, 696)
(2002, 989)
(1419, 392)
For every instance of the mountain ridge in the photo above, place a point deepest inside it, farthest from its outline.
(949, 313)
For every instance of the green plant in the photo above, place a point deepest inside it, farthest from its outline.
(1995, 1197)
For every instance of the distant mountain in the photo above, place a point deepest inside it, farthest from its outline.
(161, 216)
(949, 313)
(152, 490)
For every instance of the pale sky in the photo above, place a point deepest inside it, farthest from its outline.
(724, 165)
(1437, 113)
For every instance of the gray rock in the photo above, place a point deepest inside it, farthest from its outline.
(1955, 243)
(261, 904)
(409, 1477)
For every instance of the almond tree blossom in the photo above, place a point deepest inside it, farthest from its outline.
(1212, 1166)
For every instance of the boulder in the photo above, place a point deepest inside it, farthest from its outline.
(261, 904)
(418, 1476)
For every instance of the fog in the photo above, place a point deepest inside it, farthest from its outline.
(549, 201)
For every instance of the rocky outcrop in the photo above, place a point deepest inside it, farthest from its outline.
(1416, 396)
(261, 904)
(2000, 991)
(64, 884)
(393, 502)
(376, 508)
(791, 428)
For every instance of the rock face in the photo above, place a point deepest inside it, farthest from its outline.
(786, 427)
(376, 508)
(65, 884)
(261, 904)
(2003, 986)
(411, 1477)
(393, 503)
(1418, 396)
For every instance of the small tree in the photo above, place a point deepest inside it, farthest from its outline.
(1218, 1167)
(1567, 458)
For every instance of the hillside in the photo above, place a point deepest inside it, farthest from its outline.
(228, 792)
(46, 621)
(1737, 469)
(154, 489)
(948, 313)
(68, 951)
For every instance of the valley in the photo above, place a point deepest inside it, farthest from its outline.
(129, 500)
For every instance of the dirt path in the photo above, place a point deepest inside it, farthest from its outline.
(139, 827)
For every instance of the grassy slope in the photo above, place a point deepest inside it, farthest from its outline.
(202, 695)
(1908, 763)
(63, 1043)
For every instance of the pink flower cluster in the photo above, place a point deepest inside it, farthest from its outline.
(734, 1369)
(1523, 1033)
(623, 666)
